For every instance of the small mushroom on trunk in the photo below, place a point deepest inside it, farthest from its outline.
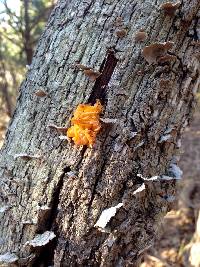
(155, 51)
(92, 74)
(41, 93)
(170, 8)
(120, 33)
(140, 36)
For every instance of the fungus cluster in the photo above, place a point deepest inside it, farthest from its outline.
(85, 124)
(157, 52)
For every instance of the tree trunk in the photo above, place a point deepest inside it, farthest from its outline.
(4, 88)
(27, 37)
(64, 188)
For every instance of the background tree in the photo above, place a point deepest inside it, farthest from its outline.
(19, 33)
(25, 28)
(53, 193)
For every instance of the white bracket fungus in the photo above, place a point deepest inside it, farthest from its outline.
(175, 171)
(153, 178)
(8, 258)
(71, 174)
(62, 130)
(108, 120)
(41, 240)
(140, 144)
(45, 207)
(4, 208)
(29, 222)
(106, 215)
(164, 138)
(140, 189)
(63, 137)
(25, 156)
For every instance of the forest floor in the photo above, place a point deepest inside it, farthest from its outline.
(171, 249)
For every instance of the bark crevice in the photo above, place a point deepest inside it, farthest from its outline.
(46, 254)
(107, 68)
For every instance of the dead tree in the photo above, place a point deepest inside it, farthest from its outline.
(56, 196)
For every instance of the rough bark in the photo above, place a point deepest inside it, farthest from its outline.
(67, 188)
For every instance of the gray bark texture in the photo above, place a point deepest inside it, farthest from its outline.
(50, 186)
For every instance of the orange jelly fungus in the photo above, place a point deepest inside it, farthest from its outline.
(85, 124)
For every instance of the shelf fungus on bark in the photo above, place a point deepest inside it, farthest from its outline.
(63, 137)
(82, 67)
(140, 189)
(8, 258)
(157, 51)
(41, 240)
(165, 138)
(29, 222)
(121, 33)
(4, 209)
(166, 58)
(41, 93)
(106, 216)
(153, 178)
(25, 156)
(91, 73)
(85, 124)
(140, 36)
(58, 128)
(170, 8)
(108, 120)
(173, 173)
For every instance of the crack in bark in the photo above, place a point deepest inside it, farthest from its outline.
(107, 68)
(46, 254)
